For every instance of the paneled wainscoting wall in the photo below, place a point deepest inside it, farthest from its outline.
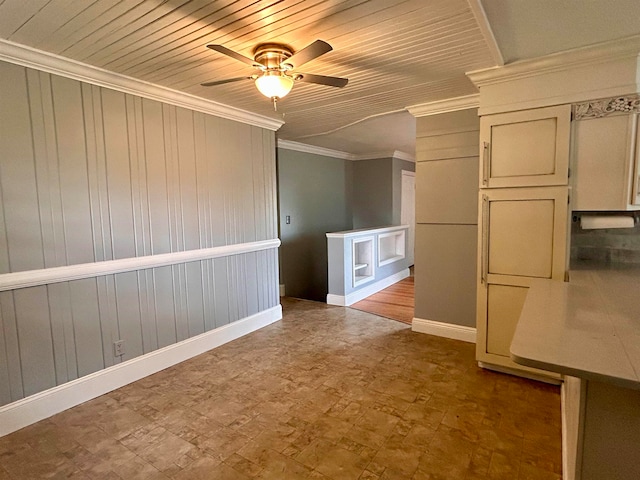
(91, 176)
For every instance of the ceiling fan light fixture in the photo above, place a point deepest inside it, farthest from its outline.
(274, 84)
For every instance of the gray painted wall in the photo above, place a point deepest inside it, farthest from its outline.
(315, 192)
(446, 217)
(377, 191)
(90, 174)
(372, 193)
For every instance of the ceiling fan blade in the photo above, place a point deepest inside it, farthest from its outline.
(321, 79)
(232, 54)
(308, 53)
(222, 82)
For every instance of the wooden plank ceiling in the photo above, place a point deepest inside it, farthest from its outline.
(395, 52)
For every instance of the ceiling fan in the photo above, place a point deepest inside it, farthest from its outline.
(275, 63)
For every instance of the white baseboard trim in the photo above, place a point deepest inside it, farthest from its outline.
(34, 408)
(345, 301)
(447, 330)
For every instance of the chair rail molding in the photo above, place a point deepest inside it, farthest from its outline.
(32, 278)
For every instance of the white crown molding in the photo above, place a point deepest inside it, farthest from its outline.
(485, 28)
(48, 62)
(584, 56)
(445, 106)
(404, 156)
(34, 408)
(45, 276)
(306, 148)
(328, 152)
(388, 154)
(446, 330)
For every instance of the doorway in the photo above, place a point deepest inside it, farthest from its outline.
(397, 302)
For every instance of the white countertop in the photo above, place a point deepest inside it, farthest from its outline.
(587, 328)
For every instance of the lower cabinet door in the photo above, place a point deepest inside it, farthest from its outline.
(504, 304)
(522, 235)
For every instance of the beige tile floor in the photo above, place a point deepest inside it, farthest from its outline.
(327, 393)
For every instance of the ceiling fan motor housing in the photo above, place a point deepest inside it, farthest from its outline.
(272, 56)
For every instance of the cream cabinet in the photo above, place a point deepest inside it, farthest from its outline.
(605, 157)
(522, 235)
(525, 148)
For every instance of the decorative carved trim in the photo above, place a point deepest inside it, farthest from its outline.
(607, 106)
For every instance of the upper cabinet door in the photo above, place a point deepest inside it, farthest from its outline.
(605, 163)
(525, 148)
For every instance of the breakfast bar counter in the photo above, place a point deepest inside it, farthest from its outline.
(589, 330)
(588, 327)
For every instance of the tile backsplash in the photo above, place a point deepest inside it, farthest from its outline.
(614, 245)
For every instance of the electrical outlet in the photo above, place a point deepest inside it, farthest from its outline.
(118, 348)
(287, 219)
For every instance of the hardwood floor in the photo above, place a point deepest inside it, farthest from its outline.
(396, 302)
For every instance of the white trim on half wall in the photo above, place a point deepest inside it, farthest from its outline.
(34, 408)
(446, 330)
(351, 298)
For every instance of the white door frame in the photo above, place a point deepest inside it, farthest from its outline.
(408, 211)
